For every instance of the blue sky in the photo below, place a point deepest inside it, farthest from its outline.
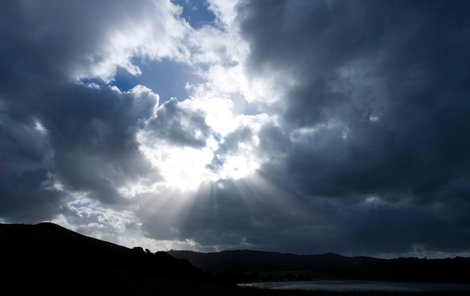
(166, 77)
(196, 12)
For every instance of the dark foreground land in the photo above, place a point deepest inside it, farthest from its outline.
(46, 259)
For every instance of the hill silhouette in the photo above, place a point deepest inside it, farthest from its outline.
(252, 266)
(46, 259)
(49, 258)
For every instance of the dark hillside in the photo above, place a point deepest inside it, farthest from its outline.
(47, 257)
(247, 265)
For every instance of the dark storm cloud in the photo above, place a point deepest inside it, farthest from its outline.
(55, 131)
(243, 214)
(383, 88)
(391, 73)
(24, 152)
(89, 145)
(43, 43)
(94, 142)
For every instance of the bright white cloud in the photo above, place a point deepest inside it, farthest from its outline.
(225, 10)
(186, 167)
(217, 55)
(155, 33)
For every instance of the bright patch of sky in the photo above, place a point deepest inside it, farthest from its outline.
(205, 83)
(168, 77)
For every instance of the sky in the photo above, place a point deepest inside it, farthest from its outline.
(294, 126)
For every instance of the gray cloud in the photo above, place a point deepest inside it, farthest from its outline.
(179, 125)
(95, 147)
(230, 145)
(60, 136)
(25, 154)
(247, 214)
(241, 213)
(380, 94)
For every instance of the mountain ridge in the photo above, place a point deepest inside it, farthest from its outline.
(252, 266)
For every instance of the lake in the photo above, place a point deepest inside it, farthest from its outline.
(344, 286)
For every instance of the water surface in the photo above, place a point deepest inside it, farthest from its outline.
(342, 286)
